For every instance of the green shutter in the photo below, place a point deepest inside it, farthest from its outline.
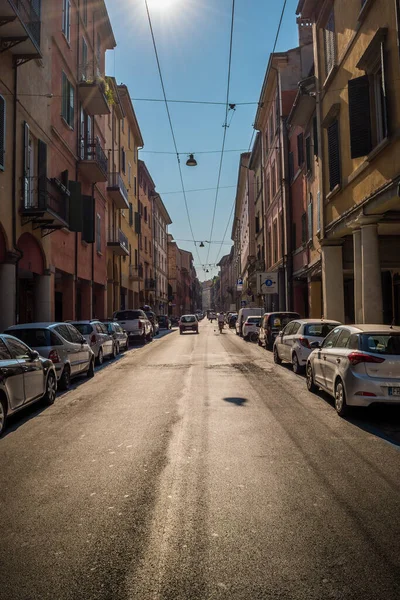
(359, 117)
(88, 233)
(42, 173)
(334, 154)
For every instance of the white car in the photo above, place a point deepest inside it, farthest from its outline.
(293, 343)
(358, 365)
(97, 336)
(251, 328)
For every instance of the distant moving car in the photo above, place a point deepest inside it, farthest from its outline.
(97, 336)
(164, 322)
(272, 324)
(358, 365)
(251, 328)
(243, 314)
(293, 342)
(118, 334)
(25, 377)
(174, 321)
(188, 323)
(232, 321)
(62, 344)
(135, 323)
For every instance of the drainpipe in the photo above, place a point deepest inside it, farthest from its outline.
(76, 178)
(93, 245)
(14, 195)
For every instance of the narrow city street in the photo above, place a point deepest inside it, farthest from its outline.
(195, 468)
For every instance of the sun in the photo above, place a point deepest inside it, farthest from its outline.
(161, 5)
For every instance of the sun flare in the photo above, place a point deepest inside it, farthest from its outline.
(161, 5)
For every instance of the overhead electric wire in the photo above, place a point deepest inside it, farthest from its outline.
(225, 125)
(192, 152)
(252, 136)
(191, 102)
(171, 126)
(226, 229)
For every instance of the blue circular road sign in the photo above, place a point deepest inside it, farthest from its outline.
(268, 282)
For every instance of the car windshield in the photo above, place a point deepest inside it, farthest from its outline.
(319, 329)
(280, 320)
(35, 338)
(128, 315)
(381, 343)
(254, 320)
(188, 319)
(83, 328)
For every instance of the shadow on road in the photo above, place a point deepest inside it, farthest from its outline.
(236, 401)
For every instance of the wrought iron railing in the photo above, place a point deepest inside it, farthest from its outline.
(42, 194)
(115, 181)
(29, 12)
(118, 237)
(150, 284)
(92, 150)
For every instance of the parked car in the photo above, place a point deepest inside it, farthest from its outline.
(293, 343)
(188, 323)
(62, 344)
(152, 317)
(135, 323)
(25, 377)
(251, 328)
(97, 336)
(242, 316)
(164, 322)
(232, 321)
(118, 334)
(174, 321)
(272, 324)
(358, 365)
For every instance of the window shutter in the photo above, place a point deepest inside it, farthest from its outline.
(310, 218)
(26, 165)
(42, 173)
(88, 233)
(359, 116)
(315, 135)
(334, 154)
(138, 223)
(291, 166)
(308, 154)
(329, 39)
(2, 132)
(300, 149)
(384, 94)
(130, 214)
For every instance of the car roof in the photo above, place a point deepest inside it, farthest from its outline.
(374, 328)
(188, 315)
(43, 325)
(316, 321)
(85, 321)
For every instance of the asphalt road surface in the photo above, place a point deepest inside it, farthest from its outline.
(194, 468)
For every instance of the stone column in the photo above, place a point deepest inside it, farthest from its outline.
(332, 282)
(358, 278)
(44, 297)
(7, 295)
(314, 298)
(372, 302)
(68, 299)
(86, 293)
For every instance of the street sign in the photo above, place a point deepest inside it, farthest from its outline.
(267, 283)
(239, 284)
(243, 303)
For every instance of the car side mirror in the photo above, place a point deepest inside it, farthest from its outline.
(315, 345)
(34, 355)
(83, 340)
(280, 333)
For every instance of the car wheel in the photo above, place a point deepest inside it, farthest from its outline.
(259, 342)
(297, 368)
(100, 357)
(117, 348)
(90, 371)
(51, 388)
(65, 379)
(341, 406)
(143, 338)
(310, 379)
(180, 332)
(149, 337)
(3, 414)
(277, 359)
(115, 351)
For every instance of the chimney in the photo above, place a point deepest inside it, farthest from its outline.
(305, 31)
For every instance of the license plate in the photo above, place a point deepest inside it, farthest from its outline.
(394, 391)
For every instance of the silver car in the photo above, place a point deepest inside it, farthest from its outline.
(62, 344)
(25, 377)
(99, 339)
(358, 365)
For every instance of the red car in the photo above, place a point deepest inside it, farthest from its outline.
(188, 323)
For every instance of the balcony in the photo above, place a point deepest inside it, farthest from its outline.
(92, 90)
(150, 285)
(135, 273)
(93, 163)
(20, 28)
(118, 242)
(117, 191)
(45, 203)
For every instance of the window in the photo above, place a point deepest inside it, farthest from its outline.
(66, 19)
(136, 258)
(296, 327)
(129, 173)
(74, 334)
(145, 214)
(310, 217)
(271, 129)
(4, 353)
(2, 133)
(330, 340)
(84, 68)
(268, 191)
(18, 350)
(123, 160)
(98, 233)
(333, 154)
(123, 125)
(291, 166)
(308, 154)
(85, 11)
(266, 142)
(288, 329)
(300, 149)
(318, 329)
(343, 339)
(275, 242)
(68, 101)
(258, 185)
(257, 223)
(381, 343)
(130, 214)
(329, 43)
(145, 243)
(273, 175)
(129, 137)
(98, 48)
(134, 186)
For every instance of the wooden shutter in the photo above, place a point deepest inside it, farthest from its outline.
(26, 172)
(329, 39)
(308, 154)
(359, 117)
(2, 133)
(42, 173)
(138, 223)
(88, 233)
(334, 154)
(130, 214)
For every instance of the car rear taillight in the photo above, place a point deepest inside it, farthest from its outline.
(54, 356)
(140, 324)
(368, 394)
(248, 324)
(304, 342)
(356, 358)
(93, 340)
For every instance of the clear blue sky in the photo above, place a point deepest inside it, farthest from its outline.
(193, 44)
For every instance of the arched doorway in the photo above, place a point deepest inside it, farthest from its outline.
(31, 270)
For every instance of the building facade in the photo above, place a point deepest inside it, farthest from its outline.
(161, 220)
(147, 282)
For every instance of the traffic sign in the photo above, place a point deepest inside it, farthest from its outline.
(239, 284)
(243, 303)
(267, 283)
